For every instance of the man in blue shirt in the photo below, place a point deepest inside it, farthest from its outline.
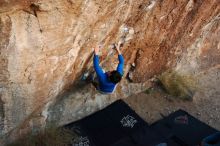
(107, 81)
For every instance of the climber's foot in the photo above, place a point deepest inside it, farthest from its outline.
(84, 76)
(88, 77)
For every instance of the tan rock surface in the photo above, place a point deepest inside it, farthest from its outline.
(46, 46)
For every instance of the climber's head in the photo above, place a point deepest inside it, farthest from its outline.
(114, 76)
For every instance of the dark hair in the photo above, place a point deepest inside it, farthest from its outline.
(115, 77)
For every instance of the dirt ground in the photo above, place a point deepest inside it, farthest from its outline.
(152, 106)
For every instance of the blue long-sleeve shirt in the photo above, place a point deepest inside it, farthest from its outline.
(105, 85)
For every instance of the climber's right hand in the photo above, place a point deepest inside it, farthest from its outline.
(96, 50)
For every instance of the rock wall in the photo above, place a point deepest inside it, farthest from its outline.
(45, 47)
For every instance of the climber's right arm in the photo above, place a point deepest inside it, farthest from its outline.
(97, 68)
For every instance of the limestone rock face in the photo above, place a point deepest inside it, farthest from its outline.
(46, 46)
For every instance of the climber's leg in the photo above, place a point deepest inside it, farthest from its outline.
(88, 76)
(94, 80)
(91, 78)
(96, 85)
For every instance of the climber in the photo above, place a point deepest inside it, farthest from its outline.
(107, 81)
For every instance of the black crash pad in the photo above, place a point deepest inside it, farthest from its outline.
(183, 128)
(119, 125)
(111, 126)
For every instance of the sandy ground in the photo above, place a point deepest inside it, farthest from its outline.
(151, 106)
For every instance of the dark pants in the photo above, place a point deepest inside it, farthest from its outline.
(95, 84)
(93, 79)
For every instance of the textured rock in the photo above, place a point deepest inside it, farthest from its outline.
(46, 46)
(13, 5)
